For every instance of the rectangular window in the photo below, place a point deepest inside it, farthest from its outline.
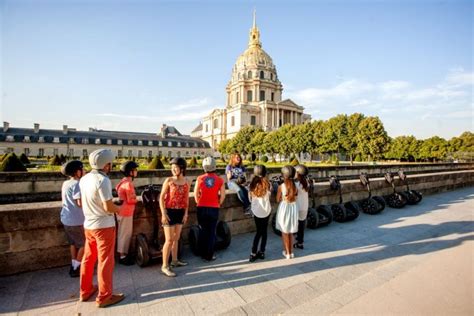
(56, 140)
(27, 151)
(160, 153)
(119, 142)
(253, 120)
(109, 142)
(97, 141)
(139, 154)
(84, 153)
(169, 153)
(130, 153)
(262, 95)
(71, 152)
(140, 143)
(249, 96)
(119, 153)
(26, 139)
(41, 139)
(179, 154)
(232, 121)
(273, 96)
(237, 97)
(150, 153)
(41, 152)
(55, 151)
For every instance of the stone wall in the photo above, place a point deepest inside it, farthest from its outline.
(32, 237)
(23, 187)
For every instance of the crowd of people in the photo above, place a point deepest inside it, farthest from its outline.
(94, 222)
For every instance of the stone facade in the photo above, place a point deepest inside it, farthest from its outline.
(254, 97)
(73, 143)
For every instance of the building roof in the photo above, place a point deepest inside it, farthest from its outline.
(197, 128)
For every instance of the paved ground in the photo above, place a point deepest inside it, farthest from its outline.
(418, 260)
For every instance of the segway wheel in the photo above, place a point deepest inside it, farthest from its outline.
(352, 211)
(411, 197)
(193, 239)
(223, 235)
(143, 257)
(324, 214)
(338, 212)
(396, 200)
(312, 219)
(370, 206)
(275, 230)
(381, 202)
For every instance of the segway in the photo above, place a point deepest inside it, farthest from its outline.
(342, 212)
(317, 216)
(148, 250)
(413, 197)
(394, 200)
(372, 204)
(223, 237)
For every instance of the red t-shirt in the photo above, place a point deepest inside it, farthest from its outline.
(209, 185)
(126, 193)
(177, 196)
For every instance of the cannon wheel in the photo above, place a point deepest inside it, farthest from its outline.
(223, 235)
(193, 239)
(142, 258)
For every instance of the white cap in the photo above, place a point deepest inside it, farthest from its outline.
(99, 158)
(209, 164)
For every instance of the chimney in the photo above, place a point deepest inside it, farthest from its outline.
(163, 130)
(37, 128)
(6, 126)
(65, 129)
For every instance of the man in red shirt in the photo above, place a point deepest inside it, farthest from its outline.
(209, 193)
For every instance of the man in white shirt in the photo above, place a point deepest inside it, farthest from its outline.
(99, 229)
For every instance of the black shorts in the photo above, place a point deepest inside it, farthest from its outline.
(175, 216)
(75, 235)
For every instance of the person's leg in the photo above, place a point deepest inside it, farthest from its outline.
(167, 245)
(87, 266)
(264, 227)
(73, 251)
(174, 247)
(242, 193)
(80, 254)
(122, 229)
(202, 240)
(289, 244)
(213, 218)
(258, 235)
(300, 233)
(105, 250)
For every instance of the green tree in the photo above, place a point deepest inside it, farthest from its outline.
(270, 144)
(434, 148)
(372, 138)
(224, 147)
(156, 163)
(241, 141)
(257, 143)
(11, 162)
(462, 147)
(403, 148)
(192, 163)
(349, 142)
(24, 159)
(55, 161)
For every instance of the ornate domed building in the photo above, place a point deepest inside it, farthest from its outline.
(254, 97)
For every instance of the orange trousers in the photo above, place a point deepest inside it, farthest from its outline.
(100, 244)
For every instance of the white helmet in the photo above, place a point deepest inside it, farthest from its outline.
(209, 164)
(99, 158)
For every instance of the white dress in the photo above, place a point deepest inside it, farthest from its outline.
(302, 201)
(287, 214)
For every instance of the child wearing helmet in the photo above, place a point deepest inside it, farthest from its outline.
(259, 195)
(209, 194)
(72, 216)
(302, 201)
(287, 213)
(174, 205)
(126, 193)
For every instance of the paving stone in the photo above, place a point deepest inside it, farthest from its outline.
(368, 282)
(174, 306)
(269, 305)
(345, 293)
(321, 305)
(15, 284)
(297, 294)
(238, 311)
(325, 282)
(11, 304)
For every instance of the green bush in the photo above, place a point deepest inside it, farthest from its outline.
(156, 163)
(149, 159)
(24, 159)
(198, 157)
(12, 163)
(274, 160)
(55, 161)
(165, 159)
(192, 163)
(253, 157)
(294, 162)
(264, 158)
(2, 157)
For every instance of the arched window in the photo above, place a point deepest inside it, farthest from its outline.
(271, 76)
(262, 75)
(216, 123)
(249, 95)
(249, 74)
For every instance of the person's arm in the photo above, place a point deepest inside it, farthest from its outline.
(77, 195)
(186, 209)
(164, 192)
(222, 194)
(228, 173)
(278, 198)
(78, 202)
(130, 195)
(197, 194)
(110, 207)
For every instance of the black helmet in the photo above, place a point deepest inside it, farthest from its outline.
(302, 170)
(181, 163)
(288, 172)
(127, 167)
(70, 167)
(260, 170)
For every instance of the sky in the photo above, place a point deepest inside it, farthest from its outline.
(135, 65)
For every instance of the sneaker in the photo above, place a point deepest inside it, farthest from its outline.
(127, 261)
(74, 273)
(298, 245)
(85, 298)
(252, 257)
(261, 255)
(292, 255)
(214, 257)
(167, 271)
(285, 255)
(113, 299)
(175, 264)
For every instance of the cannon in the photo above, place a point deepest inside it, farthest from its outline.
(372, 204)
(394, 200)
(223, 237)
(342, 212)
(413, 197)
